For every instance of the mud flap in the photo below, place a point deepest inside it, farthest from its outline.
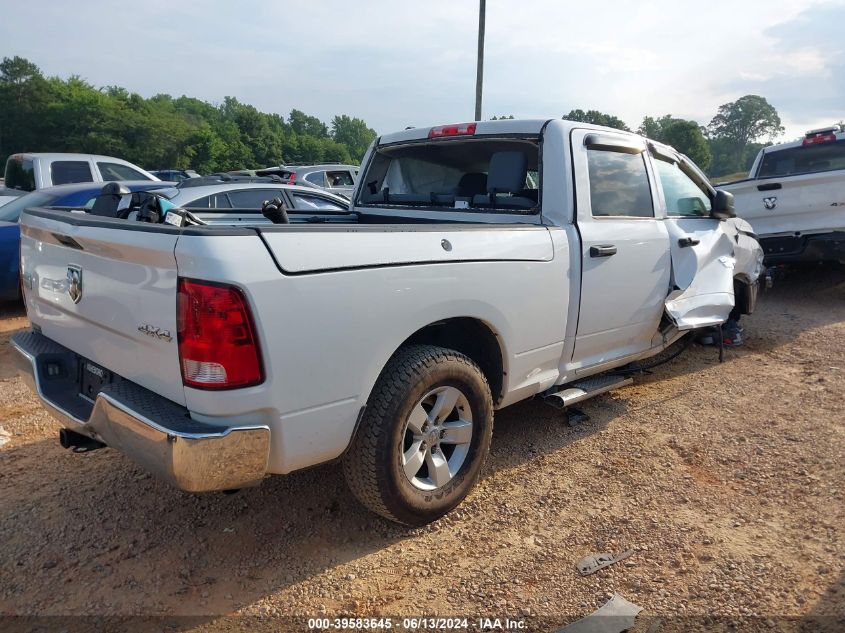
(702, 273)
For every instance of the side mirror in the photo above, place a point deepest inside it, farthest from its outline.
(723, 205)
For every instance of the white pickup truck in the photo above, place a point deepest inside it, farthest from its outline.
(30, 171)
(794, 197)
(481, 264)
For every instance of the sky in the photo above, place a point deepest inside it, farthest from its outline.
(399, 63)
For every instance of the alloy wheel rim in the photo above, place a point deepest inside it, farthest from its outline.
(436, 438)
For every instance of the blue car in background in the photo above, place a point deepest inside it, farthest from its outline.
(74, 196)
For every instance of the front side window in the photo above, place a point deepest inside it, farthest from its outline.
(64, 172)
(619, 184)
(683, 196)
(116, 171)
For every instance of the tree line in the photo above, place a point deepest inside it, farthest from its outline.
(50, 114)
(728, 145)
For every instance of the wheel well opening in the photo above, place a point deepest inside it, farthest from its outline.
(471, 337)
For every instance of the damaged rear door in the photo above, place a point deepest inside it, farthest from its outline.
(703, 262)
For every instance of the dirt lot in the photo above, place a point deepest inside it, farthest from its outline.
(727, 481)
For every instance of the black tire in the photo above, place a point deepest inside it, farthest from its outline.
(373, 464)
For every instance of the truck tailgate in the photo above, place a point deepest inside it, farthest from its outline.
(106, 291)
(803, 203)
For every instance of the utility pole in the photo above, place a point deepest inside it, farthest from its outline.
(479, 74)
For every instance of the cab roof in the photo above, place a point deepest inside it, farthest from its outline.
(528, 127)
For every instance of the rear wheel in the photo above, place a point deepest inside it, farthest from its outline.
(424, 436)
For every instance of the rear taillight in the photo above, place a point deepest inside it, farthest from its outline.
(292, 177)
(458, 129)
(218, 348)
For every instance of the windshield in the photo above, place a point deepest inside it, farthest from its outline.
(805, 159)
(11, 212)
(480, 174)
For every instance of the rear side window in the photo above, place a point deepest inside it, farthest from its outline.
(683, 196)
(316, 178)
(619, 184)
(116, 171)
(63, 172)
(216, 201)
(806, 159)
(20, 174)
(339, 179)
(305, 201)
(252, 198)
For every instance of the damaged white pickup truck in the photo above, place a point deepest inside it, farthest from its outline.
(479, 265)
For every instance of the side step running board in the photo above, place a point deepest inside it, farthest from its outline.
(586, 388)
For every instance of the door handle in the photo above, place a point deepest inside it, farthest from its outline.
(605, 250)
(688, 241)
(770, 186)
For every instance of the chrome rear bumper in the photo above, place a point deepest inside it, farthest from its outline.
(155, 432)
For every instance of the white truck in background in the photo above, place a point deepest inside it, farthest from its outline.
(480, 264)
(29, 171)
(794, 198)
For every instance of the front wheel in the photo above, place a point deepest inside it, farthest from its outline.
(424, 436)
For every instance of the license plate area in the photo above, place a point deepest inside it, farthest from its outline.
(92, 378)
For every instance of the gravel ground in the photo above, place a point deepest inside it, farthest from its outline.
(727, 481)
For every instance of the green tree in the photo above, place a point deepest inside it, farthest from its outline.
(353, 133)
(748, 119)
(596, 118)
(652, 127)
(304, 124)
(685, 136)
(71, 115)
(724, 160)
(24, 96)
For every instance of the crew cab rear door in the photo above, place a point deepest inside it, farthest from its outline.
(702, 253)
(624, 248)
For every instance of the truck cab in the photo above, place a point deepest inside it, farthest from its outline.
(31, 171)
